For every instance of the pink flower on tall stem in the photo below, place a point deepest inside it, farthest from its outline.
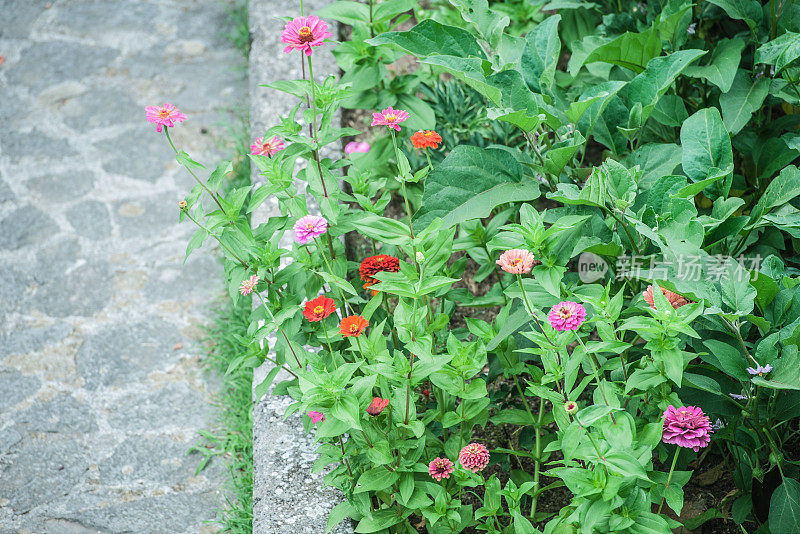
(474, 457)
(304, 32)
(440, 468)
(687, 426)
(270, 147)
(516, 261)
(355, 146)
(390, 117)
(309, 227)
(673, 298)
(567, 316)
(248, 285)
(377, 405)
(316, 417)
(166, 115)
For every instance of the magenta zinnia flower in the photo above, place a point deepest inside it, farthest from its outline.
(309, 227)
(474, 457)
(304, 32)
(567, 316)
(355, 146)
(440, 468)
(166, 115)
(269, 147)
(687, 426)
(389, 117)
(516, 261)
(316, 417)
(248, 285)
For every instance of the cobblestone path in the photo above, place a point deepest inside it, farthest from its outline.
(101, 392)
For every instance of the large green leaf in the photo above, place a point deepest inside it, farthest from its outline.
(540, 55)
(722, 66)
(744, 98)
(471, 71)
(656, 160)
(781, 190)
(599, 96)
(630, 50)
(784, 507)
(432, 38)
(780, 52)
(747, 10)
(469, 183)
(489, 24)
(706, 146)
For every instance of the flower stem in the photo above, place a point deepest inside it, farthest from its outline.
(299, 365)
(223, 245)
(669, 477)
(537, 460)
(402, 183)
(595, 365)
(213, 196)
(327, 339)
(314, 122)
(330, 270)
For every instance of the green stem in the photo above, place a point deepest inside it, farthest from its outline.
(537, 460)
(403, 183)
(595, 365)
(327, 339)
(213, 196)
(299, 365)
(330, 270)
(223, 245)
(669, 477)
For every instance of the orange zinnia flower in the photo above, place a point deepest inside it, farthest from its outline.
(319, 308)
(426, 139)
(353, 326)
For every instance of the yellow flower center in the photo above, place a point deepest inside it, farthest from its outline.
(516, 261)
(565, 313)
(305, 34)
(309, 226)
(163, 112)
(390, 118)
(318, 310)
(353, 328)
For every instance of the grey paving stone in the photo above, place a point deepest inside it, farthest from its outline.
(25, 226)
(55, 260)
(35, 144)
(176, 281)
(133, 460)
(103, 107)
(61, 186)
(15, 387)
(8, 438)
(173, 406)
(51, 62)
(17, 16)
(90, 219)
(81, 18)
(63, 414)
(32, 339)
(147, 155)
(146, 216)
(13, 287)
(63, 526)
(83, 291)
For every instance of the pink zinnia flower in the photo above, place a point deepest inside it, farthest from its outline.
(377, 405)
(316, 417)
(269, 147)
(389, 117)
(474, 457)
(567, 316)
(440, 468)
(309, 227)
(248, 285)
(304, 32)
(516, 261)
(687, 426)
(166, 115)
(673, 298)
(354, 146)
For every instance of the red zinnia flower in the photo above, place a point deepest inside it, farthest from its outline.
(426, 139)
(375, 264)
(377, 405)
(353, 326)
(319, 308)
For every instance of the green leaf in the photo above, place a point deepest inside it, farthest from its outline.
(338, 514)
(540, 55)
(471, 71)
(346, 409)
(489, 24)
(377, 478)
(722, 66)
(432, 38)
(391, 8)
(655, 160)
(422, 115)
(744, 98)
(736, 289)
(780, 52)
(749, 11)
(591, 414)
(344, 11)
(379, 521)
(630, 50)
(784, 507)
(469, 183)
(782, 189)
(706, 145)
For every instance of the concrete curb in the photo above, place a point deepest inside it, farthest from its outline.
(287, 497)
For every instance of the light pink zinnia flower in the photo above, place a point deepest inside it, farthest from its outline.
(673, 298)
(687, 426)
(474, 457)
(316, 417)
(389, 117)
(516, 261)
(166, 115)
(304, 32)
(440, 468)
(309, 227)
(248, 285)
(567, 316)
(269, 147)
(355, 146)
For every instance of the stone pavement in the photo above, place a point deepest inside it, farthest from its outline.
(101, 391)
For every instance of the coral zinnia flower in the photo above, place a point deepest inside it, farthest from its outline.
(474, 457)
(166, 115)
(389, 117)
(304, 32)
(316, 417)
(353, 326)
(440, 468)
(687, 426)
(355, 146)
(248, 285)
(759, 370)
(567, 316)
(516, 261)
(377, 405)
(376, 264)
(319, 308)
(309, 227)
(269, 147)
(673, 298)
(426, 139)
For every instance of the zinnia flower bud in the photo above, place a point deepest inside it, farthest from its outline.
(571, 407)
(377, 405)
(420, 257)
(316, 417)
(183, 205)
(474, 457)
(247, 286)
